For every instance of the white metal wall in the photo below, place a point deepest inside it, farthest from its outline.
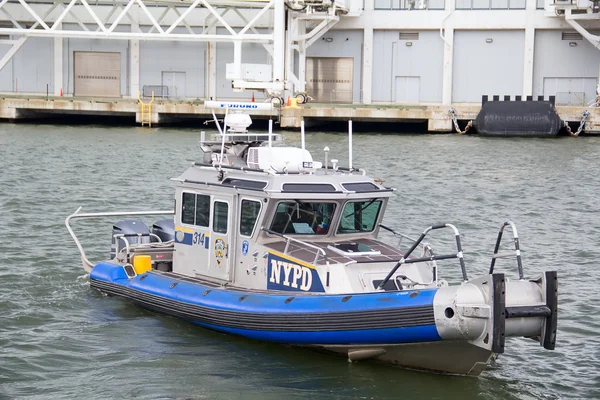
(487, 63)
(565, 68)
(342, 43)
(398, 61)
(158, 59)
(30, 70)
(6, 74)
(479, 67)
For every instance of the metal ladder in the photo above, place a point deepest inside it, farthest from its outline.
(146, 111)
(517, 252)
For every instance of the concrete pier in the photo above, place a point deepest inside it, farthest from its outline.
(437, 117)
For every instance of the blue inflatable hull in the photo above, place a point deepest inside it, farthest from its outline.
(305, 319)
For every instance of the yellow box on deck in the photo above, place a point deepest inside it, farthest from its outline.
(142, 263)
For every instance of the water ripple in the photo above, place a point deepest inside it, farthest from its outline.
(60, 339)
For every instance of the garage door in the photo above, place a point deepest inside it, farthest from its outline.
(571, 91)
(407, 89)
(175, 83)
(330, 79)
(97, 74)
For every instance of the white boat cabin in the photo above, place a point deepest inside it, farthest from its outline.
(262, 217)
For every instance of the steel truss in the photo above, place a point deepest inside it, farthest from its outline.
(575, 12)
(211, 21)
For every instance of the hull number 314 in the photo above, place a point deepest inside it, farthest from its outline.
(198, 238)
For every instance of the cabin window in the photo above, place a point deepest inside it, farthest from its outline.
(303, 218)
(220, 217)
(188, 209)
(244, 183)
(308, 187)
(248, 216)
(195, 209)
(359, 216)
(202, 210)
(360, 187)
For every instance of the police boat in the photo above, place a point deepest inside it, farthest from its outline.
(267, 243)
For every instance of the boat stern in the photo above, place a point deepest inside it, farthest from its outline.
(488, 309)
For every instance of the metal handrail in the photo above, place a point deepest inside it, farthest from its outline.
(517, 252)
(427, 250)
(404, 259)
(123, 237)
(87, 264)
(289, 239)
(401, 235)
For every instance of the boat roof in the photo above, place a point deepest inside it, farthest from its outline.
(322, 184)
(238, 160)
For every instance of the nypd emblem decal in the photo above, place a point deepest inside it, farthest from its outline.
(219, 251)
(284, 274)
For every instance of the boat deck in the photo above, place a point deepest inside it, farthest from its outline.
(387, 253)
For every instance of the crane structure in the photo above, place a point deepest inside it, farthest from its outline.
(583, 16)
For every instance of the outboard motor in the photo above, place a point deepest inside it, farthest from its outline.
(131, 229)
(164, 229)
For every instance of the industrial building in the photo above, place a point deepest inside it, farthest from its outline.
(363, 52)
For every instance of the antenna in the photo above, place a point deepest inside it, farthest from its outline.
(350, 145)
(223, 137)
(217, 122)
(270, 132)
(302, 133)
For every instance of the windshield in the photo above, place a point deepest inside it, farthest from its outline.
(359, 216)
(303, 217)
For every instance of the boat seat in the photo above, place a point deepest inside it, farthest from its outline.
(302, 216)
(284, 220)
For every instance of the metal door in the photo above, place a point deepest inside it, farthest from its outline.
(192, 234)
(221, 240)
(407, 89)
(97, 74)
(330, 79)
(571, 91)
(175, 81)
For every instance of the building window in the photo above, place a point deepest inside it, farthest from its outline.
(248, 216)
(410, 4)
(490, 4)
(195, 209)
(220, 215)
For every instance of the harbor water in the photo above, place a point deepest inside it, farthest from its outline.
(60, 339)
